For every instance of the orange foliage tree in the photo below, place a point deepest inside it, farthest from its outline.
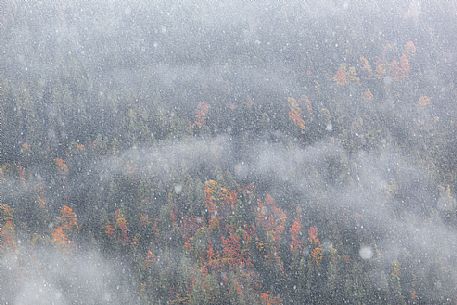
(316, 252)
(121, 224)
(7, 228)
(59, 237)
(200, 114)
(210, 196)
(424, 101)
(232, 249)
(271, 217)
(295, 113)
(345, 75)
(216, 196)
(267, 299)
(61, 165)
(295, 234)
(68, 222)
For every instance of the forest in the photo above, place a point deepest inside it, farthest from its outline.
(228, 152)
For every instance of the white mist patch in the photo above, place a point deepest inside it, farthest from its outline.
(365, 252)
(241, 170)
(168, 160)
(60, 277)
(38, 291)
(178, 188)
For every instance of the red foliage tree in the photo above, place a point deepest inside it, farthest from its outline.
(295, 234)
